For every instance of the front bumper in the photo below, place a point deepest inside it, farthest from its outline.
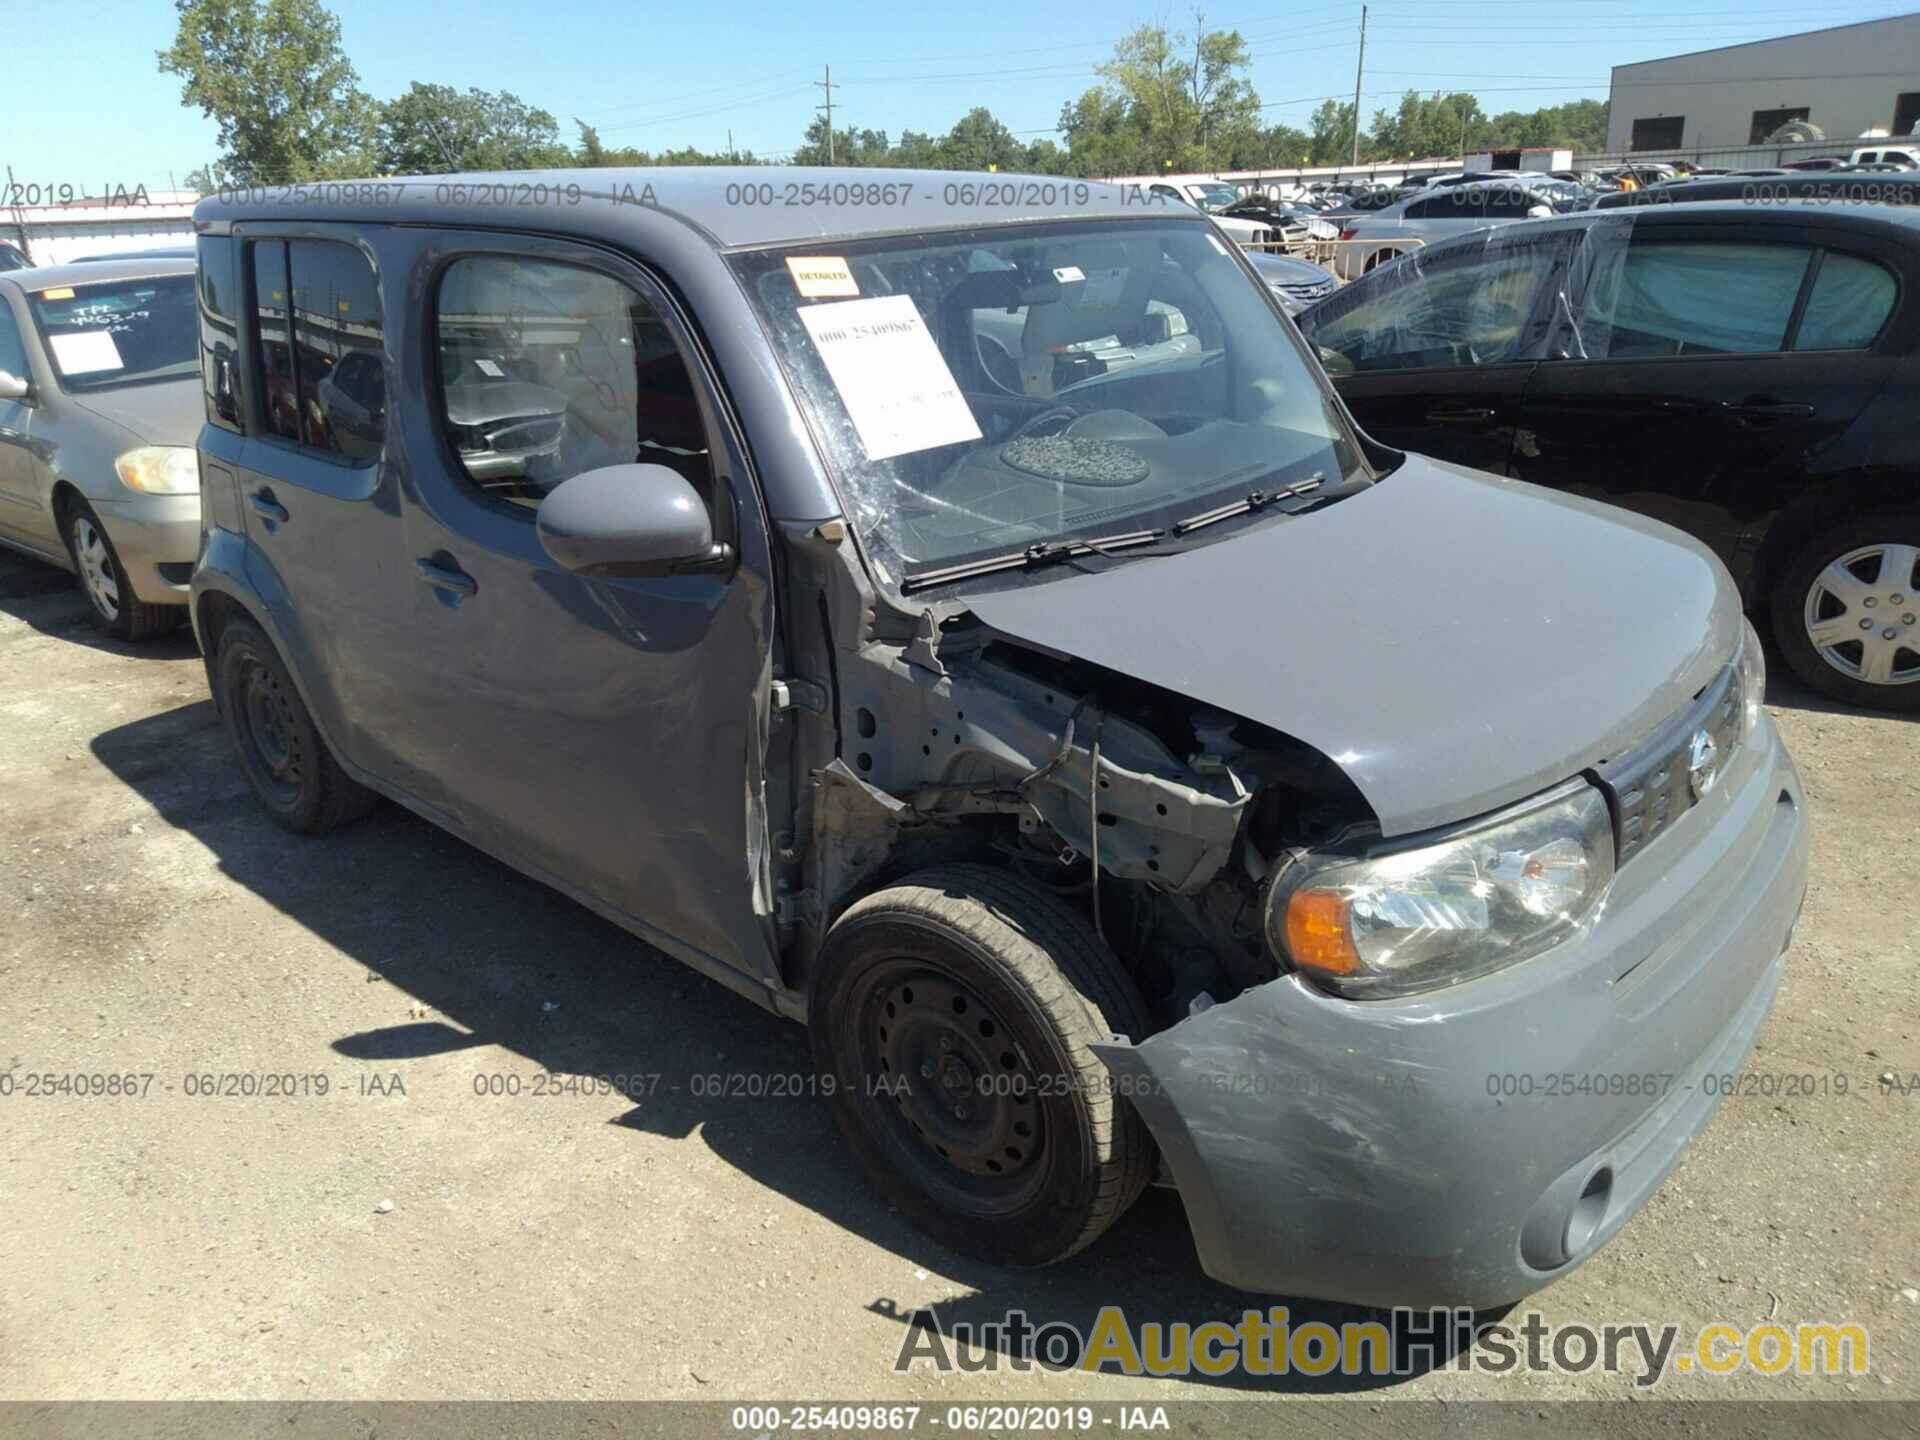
(151, 531)
(1468, 1146)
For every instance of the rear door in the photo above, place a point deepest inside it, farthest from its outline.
(603, 733)
(1705, 363)
(1432, 353)
(322, 515)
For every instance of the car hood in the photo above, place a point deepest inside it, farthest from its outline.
(1286, 269)
(159, 412)
(1453, 641)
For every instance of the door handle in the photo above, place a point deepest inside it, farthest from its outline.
(268, 508)
(1458, 417)
(1679, 406)
(447, 576)
(1772, 410)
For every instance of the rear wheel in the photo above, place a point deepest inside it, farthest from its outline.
(953, 1015)
(285, 759)
(104, 581)
(1846, 611)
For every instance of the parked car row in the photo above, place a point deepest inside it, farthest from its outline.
(988, 639)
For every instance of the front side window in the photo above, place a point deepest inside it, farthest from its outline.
(13, 355)
(1655, 298)
(1477, 304)
(1851, 300)
(548, 370)
(984, 391)
(119, 332)
(317, 303)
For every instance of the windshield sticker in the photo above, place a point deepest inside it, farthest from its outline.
(86, 352)
(1067, 274)
(490, 369)
(821, 276)
(898, 391)
(65, 292)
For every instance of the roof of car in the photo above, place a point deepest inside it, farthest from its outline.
(1855, 216)
(733, 206)
(93, 272)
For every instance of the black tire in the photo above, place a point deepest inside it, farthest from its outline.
(98, 565)
(281, 750)
(1889, 604)
(1015, 1149)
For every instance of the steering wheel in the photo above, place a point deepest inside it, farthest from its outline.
(1065, 414)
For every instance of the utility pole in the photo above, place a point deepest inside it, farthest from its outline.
(1359, 66)
(827, 85)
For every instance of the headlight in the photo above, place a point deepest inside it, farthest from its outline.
(1753, 681)
(1407, 920)
(160, 470)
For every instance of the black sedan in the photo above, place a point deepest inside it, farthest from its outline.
(1746, 373)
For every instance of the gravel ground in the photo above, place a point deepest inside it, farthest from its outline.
(403, 1237)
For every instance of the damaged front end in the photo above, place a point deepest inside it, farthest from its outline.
(1156, 816)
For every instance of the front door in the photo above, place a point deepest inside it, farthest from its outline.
(602, 733)
(22, 518)
(1432, 353)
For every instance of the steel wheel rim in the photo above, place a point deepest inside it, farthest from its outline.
(96, 567)
(957, 1096)
(1862, 614)
(272, 740)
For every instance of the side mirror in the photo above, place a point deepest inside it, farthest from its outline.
(12, 387)
(625, 521)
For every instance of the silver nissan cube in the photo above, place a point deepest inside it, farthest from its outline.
(957, 614)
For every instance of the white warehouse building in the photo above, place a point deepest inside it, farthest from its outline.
(1848, 81)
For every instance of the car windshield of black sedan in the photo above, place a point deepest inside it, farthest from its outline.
(119, 331)
(989, 390)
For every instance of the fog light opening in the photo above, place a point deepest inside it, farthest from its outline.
(1583, 1222)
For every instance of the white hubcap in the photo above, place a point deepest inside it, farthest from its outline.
(1863, 615)
(96, 567)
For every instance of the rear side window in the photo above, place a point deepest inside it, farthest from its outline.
(1650, 299)
(219, 280)
(318, 304)
(549, 370)
(1850, 302)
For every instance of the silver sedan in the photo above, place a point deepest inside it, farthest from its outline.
(100, 405)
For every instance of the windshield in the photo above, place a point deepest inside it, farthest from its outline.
(116, 332)
(1214, 197)
(991, 390)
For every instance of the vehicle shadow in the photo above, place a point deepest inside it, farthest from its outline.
(502, 960)
(48, 599)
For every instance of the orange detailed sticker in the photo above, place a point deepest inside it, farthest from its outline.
(819, 277)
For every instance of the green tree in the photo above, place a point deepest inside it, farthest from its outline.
(1188, 92)
(980, 142)
(272, 75)
(435, 128)
(1330, 135)
(1429, 125)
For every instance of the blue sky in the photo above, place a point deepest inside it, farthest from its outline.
(98, 112)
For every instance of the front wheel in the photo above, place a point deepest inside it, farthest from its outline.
(953, 1015)
(104, 580)
(1846, 611)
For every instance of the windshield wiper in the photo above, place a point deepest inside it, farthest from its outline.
(1253, 500)
(1041, 552)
